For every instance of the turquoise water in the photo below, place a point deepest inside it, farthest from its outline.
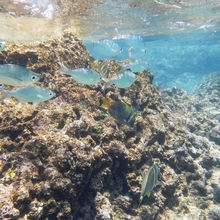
(85, 150)
(180, 60)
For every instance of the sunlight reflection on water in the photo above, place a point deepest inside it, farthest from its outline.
(105, 19)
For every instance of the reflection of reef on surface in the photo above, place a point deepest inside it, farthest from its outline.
(67, 158)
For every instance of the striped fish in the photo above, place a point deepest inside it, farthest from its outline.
(150, 180)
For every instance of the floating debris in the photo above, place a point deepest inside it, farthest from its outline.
(33, 94)
(82, 75)
(122, 112)
(124, 80)
(15, 75)
(150, 179)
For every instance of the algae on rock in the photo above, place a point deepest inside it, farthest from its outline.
(64, 158)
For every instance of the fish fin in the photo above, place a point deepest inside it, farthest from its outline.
(143, 173)
(148, 195)
(134, 109)
(105, 104)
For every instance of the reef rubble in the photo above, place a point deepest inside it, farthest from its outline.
(67, 158)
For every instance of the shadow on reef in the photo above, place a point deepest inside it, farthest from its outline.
(67, 158)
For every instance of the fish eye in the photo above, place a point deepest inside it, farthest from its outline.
(33, 77)
(50, 93)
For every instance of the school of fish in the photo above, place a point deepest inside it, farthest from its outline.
(19, 76)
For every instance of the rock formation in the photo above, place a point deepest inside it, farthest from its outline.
(67, 158)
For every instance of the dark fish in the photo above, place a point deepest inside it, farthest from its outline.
(122, 112)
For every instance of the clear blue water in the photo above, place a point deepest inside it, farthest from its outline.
(180, 60)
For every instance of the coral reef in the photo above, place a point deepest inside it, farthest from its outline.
(67, 158)
(199, 115)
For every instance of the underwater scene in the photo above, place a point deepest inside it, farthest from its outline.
(110, 109)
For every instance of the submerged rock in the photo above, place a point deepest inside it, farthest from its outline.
(215, 134)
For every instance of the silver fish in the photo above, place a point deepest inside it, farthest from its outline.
(82, 75)
(34, 94)
(15, 75)
(150, 179)
(124, 79)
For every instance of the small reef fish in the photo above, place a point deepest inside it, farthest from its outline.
(15, 75)
(122, 112)
(113, 73)
(106, 68)
(137, 66)
(150, 180)
(107, 48)
(82, 75)
(124, 79)
(34, 94)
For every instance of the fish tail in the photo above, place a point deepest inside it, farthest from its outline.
(148, 195)
(131, 117)
(106, 83)
(106, 103)
(63, 68)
